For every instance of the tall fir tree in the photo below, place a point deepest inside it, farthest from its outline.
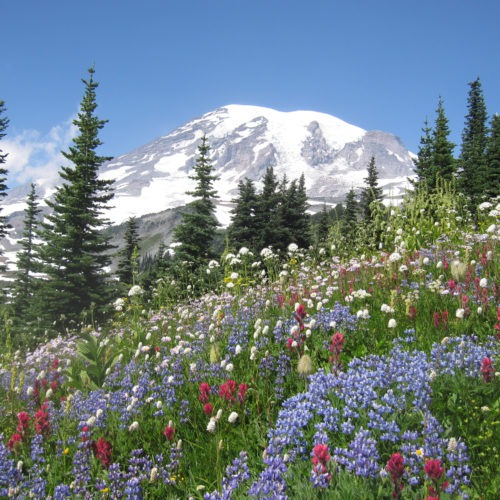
(349, 224)
(370, 193)
(301, 219)
(322, 228)
(196, 231)
(267, 210)
(4, 123)
(127, 264)
(472, 161)
(423, 162)
(28, 264)
(443, 164)
(76, 252)
(492, 178)
(243, 230)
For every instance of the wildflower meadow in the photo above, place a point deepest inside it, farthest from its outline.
(319, 373)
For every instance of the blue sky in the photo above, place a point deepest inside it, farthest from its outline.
(375, 64)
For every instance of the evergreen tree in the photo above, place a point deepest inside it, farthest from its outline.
(301, 219)
(243, 230)
(443, 164)
(77, 253)
(472, 161)
(423, 162)
(372, 192)
(350, 218)
(267, 210)
(280, 228)
(127, 264)
(4, 122)
(322, 226)
(197, 230)
(28, 261)
(492, 178)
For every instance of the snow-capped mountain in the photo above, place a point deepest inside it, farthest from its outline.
(244, 140)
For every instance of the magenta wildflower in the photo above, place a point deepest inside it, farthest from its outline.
(487, 370)
(395, 467)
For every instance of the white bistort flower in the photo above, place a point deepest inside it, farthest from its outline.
(392, 323)
(211, 425)
(233, 416)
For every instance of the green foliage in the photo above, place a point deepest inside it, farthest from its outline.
(196, 231)
(26, 285)
(492, 178)
(443, 164)
(129, 255)
(472, 163)
(76, 252)
(469, 406)
(96, 355)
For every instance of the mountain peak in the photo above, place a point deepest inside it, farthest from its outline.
(333, 156)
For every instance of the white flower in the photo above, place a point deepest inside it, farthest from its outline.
(485, 205)
(425, 261)
(119, 304)
(153, 476)
(91, 421)
(237, 349)
(135, 290)
(395, 257)
(211, 425)
(233, 416)
(219, 414)
(243, 251)
(392, 323)
(133, 426)
(452, 444)
(229, 367)
(491, 229)
(460, 313)
(483, 282)
(234, 276)
(292, 247)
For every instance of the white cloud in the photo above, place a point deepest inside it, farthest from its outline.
(36, 157)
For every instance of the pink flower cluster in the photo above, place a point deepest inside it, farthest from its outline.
(320, 460)
(335, 348)
(229, 391)
(296, 341)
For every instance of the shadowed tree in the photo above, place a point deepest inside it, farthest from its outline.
(243, 230)
(127, 264)
(472, 161)
(492, 179)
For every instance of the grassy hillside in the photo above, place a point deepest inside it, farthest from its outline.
(313, 375)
